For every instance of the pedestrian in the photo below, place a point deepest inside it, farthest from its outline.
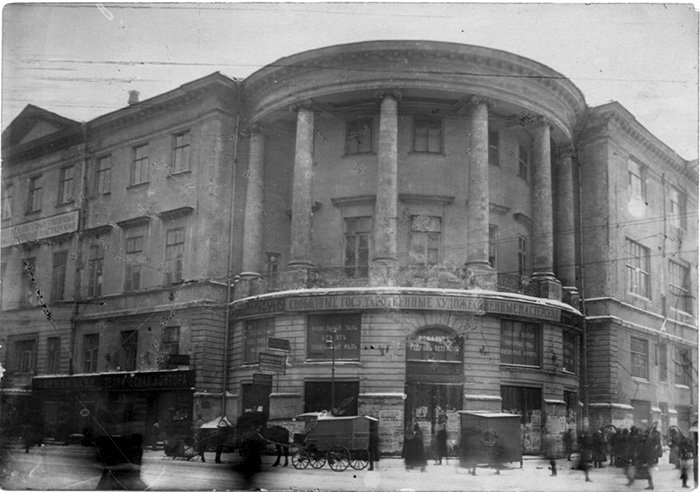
(686, 456)
(586, 454)
(155, 435)
(674, 436)
(569, 443)
(644, 455)
(252, 445)
(440, 442)
(413, 450)
(599, 447)
(550, 452)
(222, 433)
(373, 445)
(199, 444)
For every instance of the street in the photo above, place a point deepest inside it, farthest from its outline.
(74, 468)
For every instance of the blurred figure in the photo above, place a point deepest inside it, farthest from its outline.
(155, 436)
(644, 455)
(598, 450)
(569, 443)
(686, 455)
(550, 451)
(121, 456)
(373, 445)
(440, 442)
(586, 454)
(413, 451)
(252, 445)
(222, 433)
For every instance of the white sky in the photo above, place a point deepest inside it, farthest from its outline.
(79, 60)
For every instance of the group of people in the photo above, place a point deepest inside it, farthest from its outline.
(414, 453)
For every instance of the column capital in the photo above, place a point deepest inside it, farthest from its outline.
(566, 151)
(304, 104)
(395, 93)
(542, 121)
(255, 128)
(476, 100)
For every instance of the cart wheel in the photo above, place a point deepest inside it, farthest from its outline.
(301, 459)
(338, 458)
(317, 459)
(359, 459)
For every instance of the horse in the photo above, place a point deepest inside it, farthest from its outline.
(279, 436)
(274, 434)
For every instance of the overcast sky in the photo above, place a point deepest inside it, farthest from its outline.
(79, 60)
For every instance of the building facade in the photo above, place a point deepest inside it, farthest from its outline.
(399, 229)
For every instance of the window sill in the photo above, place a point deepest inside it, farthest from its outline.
(505, 365)
(357, 154)
(640, 380)
(138, 185)
(427, 152)
(97, 196)
(179, 173)
(639, 296)
(63, 204)
(681, 386)
(33, 212)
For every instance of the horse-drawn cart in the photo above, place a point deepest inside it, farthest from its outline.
(341, 442)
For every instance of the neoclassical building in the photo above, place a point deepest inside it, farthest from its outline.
(400, 229)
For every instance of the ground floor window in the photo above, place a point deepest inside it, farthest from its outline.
(318, 396)
(526, 402)
(641, 413)
(256, 398)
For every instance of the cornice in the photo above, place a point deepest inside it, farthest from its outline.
(176, 213)
(523, 219)
(99, 230)
(415, 199)
(134, 222)
(349, 201)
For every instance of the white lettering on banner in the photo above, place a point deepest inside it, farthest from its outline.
(40, 229)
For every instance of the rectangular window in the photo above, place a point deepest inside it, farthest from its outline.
(427, 134)
(333, 336)
(129, 348)
(640, 358)
(681, 297)
(255, 397)
(678, 216)
(139, 166)
(53, 355)
(494, 158)
(318, 396)
(662, 361)
(133, 262)
(523, 401)
(424, 239)
(637, 265)
(493, 245)
(103, 175)
(65, 185)
(641, 413)
(358, 136)
(522, 255)
(96, 263)
(524, 162)
(34, 197)
(520, 343)
(7, 201)
(683, 366)
(90, 349)
(272, 263)
(256, 334)
(170, 340)
(357, 233)
(636, 184)
(571, 341)
(174, 254)
(58, 275)
(29, 295)
(25, 351)
(181, 152)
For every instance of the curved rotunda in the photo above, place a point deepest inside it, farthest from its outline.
(409, 230)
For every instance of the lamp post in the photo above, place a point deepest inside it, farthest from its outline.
(330, 344)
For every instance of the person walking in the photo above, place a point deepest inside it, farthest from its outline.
(569, 443)
(550, 451)
(586, 454)
(413, 450)
(440, 442)
(686, 456)
(222, 433)
(644, 456)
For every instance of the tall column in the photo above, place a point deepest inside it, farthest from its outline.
(252, 221)
(565, 256)
(300, 254)
(384, 258)
(479, 272)
(543, 225)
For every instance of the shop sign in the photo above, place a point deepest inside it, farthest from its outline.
(258, 307)
(278, 344)
(40, 229)
(342, 329)
(271, 362)
(262, 379)
(121, 381)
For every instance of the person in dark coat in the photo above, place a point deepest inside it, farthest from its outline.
(550, 452)
(599, 446)
(686, 455)
(222, 432)
(586, 454)
(440, 443)
(569, 443)
(413, 450)
(373, 446)
(252, 446)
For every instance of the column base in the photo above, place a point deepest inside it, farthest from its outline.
(570, 296)
(249, 284)
(480, 275)
(383, 271)
(548, 287)
(294, 278)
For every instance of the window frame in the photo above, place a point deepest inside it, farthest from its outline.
(174, 254)
(353, 237)
(638, 280)
(25, 364)
(425, 121)
(91, 352)
(53, 355)
(636, 179)
(66, 185)
(571, 364)
(639, 359)
(255, 335)
(524, 165)
(129, 350)
(678, 213)
(523, 254)
(493, 246)
(139, 165)
(682, 374)
(662, 361)
(176, 164)
(59, 269)
(509, 333)
(685, 295)
(354, 130)
(96, 263)
(34, 195)
(132, 264)
(103, 175)
(29, 295)
(429, 237)
(494, 140)
(7, 194)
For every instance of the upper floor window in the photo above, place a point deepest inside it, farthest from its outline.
(139, 166)
(29, 287)
(129, 348)
(522, 255)
(170, 340)
(7, 201)
(358, 136)
(524, 162)
(662, 361)
(637, 265)
(65, 184)
(636, 180)
(25, 353)
(96, 262)
(427, 134)
(493, 245)
(494, 158)
(520, 343)
(134, 248)
(425, 239)
(256, 334)
(91, 344)
(174, 254)
(684, 367)
(678, 216)
(103, 175)
(58, 275)
(272, 263)
(640, 358)
(681, 296)
(53, 355)
(181, 152)
(34, 196)
(357, 233)
(571, 341)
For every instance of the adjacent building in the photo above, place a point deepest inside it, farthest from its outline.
(400, 229)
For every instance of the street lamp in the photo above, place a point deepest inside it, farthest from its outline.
(331, 345)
